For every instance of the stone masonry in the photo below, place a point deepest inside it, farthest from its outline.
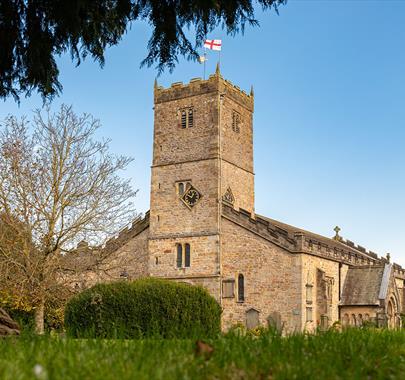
(202, 205)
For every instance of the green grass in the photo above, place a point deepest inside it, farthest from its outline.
(353, 354)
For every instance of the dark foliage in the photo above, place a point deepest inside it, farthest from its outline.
(143, 308)
(34, 32)
(53, 316)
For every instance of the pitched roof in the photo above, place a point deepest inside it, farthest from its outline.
(362, 285)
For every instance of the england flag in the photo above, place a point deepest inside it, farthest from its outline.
(213, 44)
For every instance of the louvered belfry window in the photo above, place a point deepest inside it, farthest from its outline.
(183, 119)
(187, 118)
(190, 118)
(235, 122)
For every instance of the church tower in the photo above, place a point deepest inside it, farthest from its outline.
(202, 156)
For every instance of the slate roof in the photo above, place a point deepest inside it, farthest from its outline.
(362, 285)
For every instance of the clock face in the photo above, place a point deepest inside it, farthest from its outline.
(191, 197)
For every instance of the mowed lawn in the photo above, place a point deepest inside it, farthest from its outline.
(353, 354)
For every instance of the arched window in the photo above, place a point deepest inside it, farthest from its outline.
(353, 320)
(187, 256)
(241, 288)
(179, 255)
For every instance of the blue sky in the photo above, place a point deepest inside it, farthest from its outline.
(329, 123)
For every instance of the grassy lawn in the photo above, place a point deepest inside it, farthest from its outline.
(353, 354)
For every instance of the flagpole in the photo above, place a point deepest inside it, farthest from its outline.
(205, 58)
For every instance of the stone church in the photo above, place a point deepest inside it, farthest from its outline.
(202, 227)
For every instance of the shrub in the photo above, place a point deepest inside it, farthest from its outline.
(143, 308)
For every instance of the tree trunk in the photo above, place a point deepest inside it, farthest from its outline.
(39, 318)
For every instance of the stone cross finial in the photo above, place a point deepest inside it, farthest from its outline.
(337, 229)
(388, 257)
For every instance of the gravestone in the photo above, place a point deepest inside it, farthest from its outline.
(7, 325)
(252, 319)
(274, 321)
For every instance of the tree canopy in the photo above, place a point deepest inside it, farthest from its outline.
(34, 32)
(59, 186)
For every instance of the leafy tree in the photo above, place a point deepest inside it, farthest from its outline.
(34, 32)
(58, 187)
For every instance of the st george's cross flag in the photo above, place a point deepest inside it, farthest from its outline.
(213, 44)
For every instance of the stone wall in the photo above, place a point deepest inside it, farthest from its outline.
(204, 257)
(124, 256)
(241, 182)
(320, 273)
(172, 143)
(271, 274)
(236, 145)
(130, 260)
(169, 215)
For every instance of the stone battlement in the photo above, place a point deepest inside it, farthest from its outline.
(299, 241)
(198, 86)
(359, 248)
(115, 242)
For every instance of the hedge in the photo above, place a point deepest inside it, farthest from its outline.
(143, 308)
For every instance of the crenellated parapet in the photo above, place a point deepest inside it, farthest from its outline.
(296, 240)
(399, 272)
(198, 86)
(116, 242)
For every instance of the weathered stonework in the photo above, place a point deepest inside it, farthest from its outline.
(260, 270)
(269, 271)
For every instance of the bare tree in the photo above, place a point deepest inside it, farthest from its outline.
(58, 186)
